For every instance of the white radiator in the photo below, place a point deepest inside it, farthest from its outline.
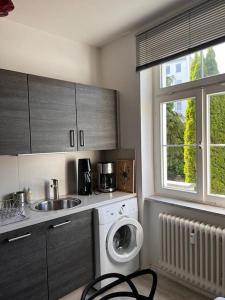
(194, 251)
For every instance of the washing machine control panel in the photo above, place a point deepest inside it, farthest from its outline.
(115, 211)
(122, 209)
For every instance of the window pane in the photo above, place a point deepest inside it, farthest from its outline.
(179, 168)
(179, 122)
(201, 64)
(217, 118)
(167, 70)
(178, 67)
(217, 170)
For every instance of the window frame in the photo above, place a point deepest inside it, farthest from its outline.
(211, 90)
(200, 89)
(158, 146)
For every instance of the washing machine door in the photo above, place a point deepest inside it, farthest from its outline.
(124, 240)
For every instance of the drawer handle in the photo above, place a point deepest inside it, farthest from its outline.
(72, 138)
(19, 238)
(81, 138)
(61, 224)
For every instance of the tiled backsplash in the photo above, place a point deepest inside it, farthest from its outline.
(35, 171)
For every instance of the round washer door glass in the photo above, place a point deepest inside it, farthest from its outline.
(124, 240)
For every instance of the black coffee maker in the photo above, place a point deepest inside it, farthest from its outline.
(84, 177)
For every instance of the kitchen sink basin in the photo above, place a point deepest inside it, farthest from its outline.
(65, 203)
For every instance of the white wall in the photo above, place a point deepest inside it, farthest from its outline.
(32, 51)
(118, 61)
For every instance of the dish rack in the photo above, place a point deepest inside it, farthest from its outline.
(11, 211)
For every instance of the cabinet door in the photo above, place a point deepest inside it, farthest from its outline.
(14, 113)
(69, 253)
(23, 273)
(52, 115)
(96, 118)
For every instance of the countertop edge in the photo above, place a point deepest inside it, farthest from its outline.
(48, 216)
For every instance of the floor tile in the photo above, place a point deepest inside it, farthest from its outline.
(166, 290)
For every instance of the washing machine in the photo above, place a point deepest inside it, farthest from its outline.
(118, 238)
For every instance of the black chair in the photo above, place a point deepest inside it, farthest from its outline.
(86, 295)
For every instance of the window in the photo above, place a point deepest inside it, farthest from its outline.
(179, 144)
(209, 62)
(178, 68)
(190, 129)
(167, 70)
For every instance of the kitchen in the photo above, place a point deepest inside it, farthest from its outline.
(48, 55)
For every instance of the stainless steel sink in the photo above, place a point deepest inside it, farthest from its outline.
(65, 203)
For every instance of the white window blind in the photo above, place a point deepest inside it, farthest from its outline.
(198, 28)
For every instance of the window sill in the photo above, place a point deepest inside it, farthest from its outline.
(188, 204)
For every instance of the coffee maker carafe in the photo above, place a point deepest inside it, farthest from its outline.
(84, 177)
(106, 177)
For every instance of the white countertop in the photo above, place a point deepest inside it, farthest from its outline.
(87, 202)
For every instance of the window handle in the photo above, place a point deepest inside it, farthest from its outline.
(200, 146)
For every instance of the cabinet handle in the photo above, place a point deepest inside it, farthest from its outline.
(72, 138)
(81, 138)
(61, 224)
(18, 238)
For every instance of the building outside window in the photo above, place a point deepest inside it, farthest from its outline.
(167, 70)
(178, 67)
(174, 77)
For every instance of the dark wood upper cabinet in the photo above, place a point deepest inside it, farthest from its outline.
(23, 261)
(96, 118)
(69, 253)
(14, 113)
(43, 115)
(52, 115)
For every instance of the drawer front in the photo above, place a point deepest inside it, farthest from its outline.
(23, 264)
(70, 253)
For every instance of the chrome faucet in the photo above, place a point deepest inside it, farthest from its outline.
(55, 188)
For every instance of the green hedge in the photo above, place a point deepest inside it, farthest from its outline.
(217, 127)
(217, 136)
(175, 135)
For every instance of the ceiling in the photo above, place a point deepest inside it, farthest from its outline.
(95, 22)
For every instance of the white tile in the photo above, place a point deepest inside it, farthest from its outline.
(9, 181)
(35, 172)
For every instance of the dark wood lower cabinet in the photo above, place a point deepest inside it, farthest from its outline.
(69, 253)
(48, 260)
(23, 270)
